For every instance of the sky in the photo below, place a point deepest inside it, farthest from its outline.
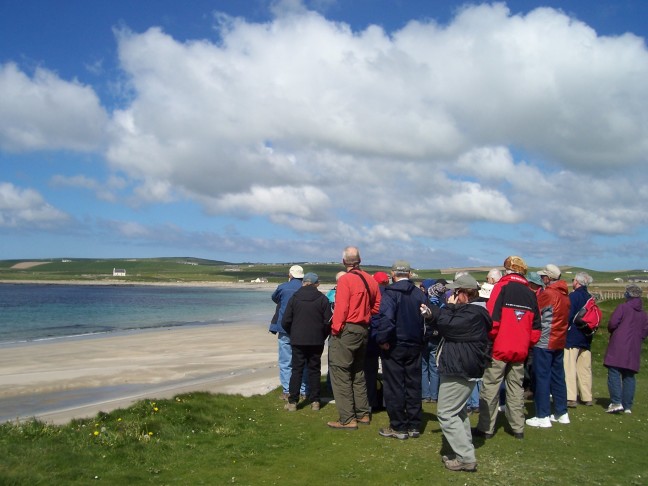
(444, 133)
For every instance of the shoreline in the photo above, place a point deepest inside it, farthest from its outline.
(198, 283)
(57, 381)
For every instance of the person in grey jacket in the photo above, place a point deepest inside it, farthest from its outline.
(628, 327)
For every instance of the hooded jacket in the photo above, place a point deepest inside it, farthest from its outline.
(513, 307)
(628, 327)
(464, 347)
(554, 311)
(400, 322)
(307, 317)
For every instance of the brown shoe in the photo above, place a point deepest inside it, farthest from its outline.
(352, 425)
(291, 407)
(457, 465)
(315, 406)
(572, 403)
(366, 420)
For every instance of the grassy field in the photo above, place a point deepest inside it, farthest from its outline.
(186, 269)
(216, 439)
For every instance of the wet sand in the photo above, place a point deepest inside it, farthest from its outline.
(62, 379)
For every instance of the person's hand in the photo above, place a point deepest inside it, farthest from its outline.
(452, 299)
(425, 311)
(384, 346)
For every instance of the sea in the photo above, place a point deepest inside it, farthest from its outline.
(35, 312)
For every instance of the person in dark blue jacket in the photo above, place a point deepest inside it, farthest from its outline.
(578, 357)
(400, 336)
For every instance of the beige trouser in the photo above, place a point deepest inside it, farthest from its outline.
(512, 374)
(578, 374)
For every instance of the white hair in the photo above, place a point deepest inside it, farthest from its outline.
(495, 274)
(583, 278)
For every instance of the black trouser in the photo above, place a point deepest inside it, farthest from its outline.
(311, 357)
(402, 387)
(371, 376)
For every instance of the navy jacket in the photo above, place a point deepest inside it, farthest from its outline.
(400, 322)
(575, 337)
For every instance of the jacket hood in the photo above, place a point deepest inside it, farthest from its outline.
(636, 303)
(560, 286)
(309, 293)
(405, 286)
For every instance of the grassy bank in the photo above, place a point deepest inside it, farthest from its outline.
(217, 439)
(187, 269)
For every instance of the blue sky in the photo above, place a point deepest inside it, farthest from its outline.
(446, 133)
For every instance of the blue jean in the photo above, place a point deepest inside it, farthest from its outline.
(430, 380)
(285, 364)
(473, 399)
(549, 371)
(621, 385)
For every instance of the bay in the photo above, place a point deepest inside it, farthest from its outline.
(30, 312)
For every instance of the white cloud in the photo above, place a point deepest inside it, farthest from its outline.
(46, 112)
(389, 138)
(26, 208)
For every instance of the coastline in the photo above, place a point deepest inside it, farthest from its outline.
(207, 283)
(57, 381)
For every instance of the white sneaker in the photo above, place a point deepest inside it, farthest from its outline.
(501, 408)
(543, 422)
(563, 419)
(627, 410)
(614, 408)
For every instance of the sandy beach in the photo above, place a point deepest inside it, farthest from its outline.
(63, 379)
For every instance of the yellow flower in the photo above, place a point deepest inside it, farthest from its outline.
(150, 433)
(155, 409)
(96, 432)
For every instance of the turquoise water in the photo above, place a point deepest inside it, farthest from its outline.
(39, 311)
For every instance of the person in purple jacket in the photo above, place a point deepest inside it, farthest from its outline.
(628, 327)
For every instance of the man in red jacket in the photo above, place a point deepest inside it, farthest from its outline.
(516, 327)
(357, 297)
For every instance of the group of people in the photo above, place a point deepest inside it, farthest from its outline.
(452, 343)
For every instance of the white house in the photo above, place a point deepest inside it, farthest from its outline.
(119, 272)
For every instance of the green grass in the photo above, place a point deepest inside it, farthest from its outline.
(188, 269)
(201, 438)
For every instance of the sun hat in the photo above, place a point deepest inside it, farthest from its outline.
(311, 278)
(516, 264)
(533, 277)
(550, 270)
(401, 266)
(296, 271)
(485, 290)
(464, 282)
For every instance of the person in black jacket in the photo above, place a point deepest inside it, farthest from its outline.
(399, 334)
(307, 321)
(462, 357)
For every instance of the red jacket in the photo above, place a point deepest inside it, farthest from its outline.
(352, 301)
(516, 318)
(554, 308)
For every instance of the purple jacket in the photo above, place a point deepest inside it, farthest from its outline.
(628, 327)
